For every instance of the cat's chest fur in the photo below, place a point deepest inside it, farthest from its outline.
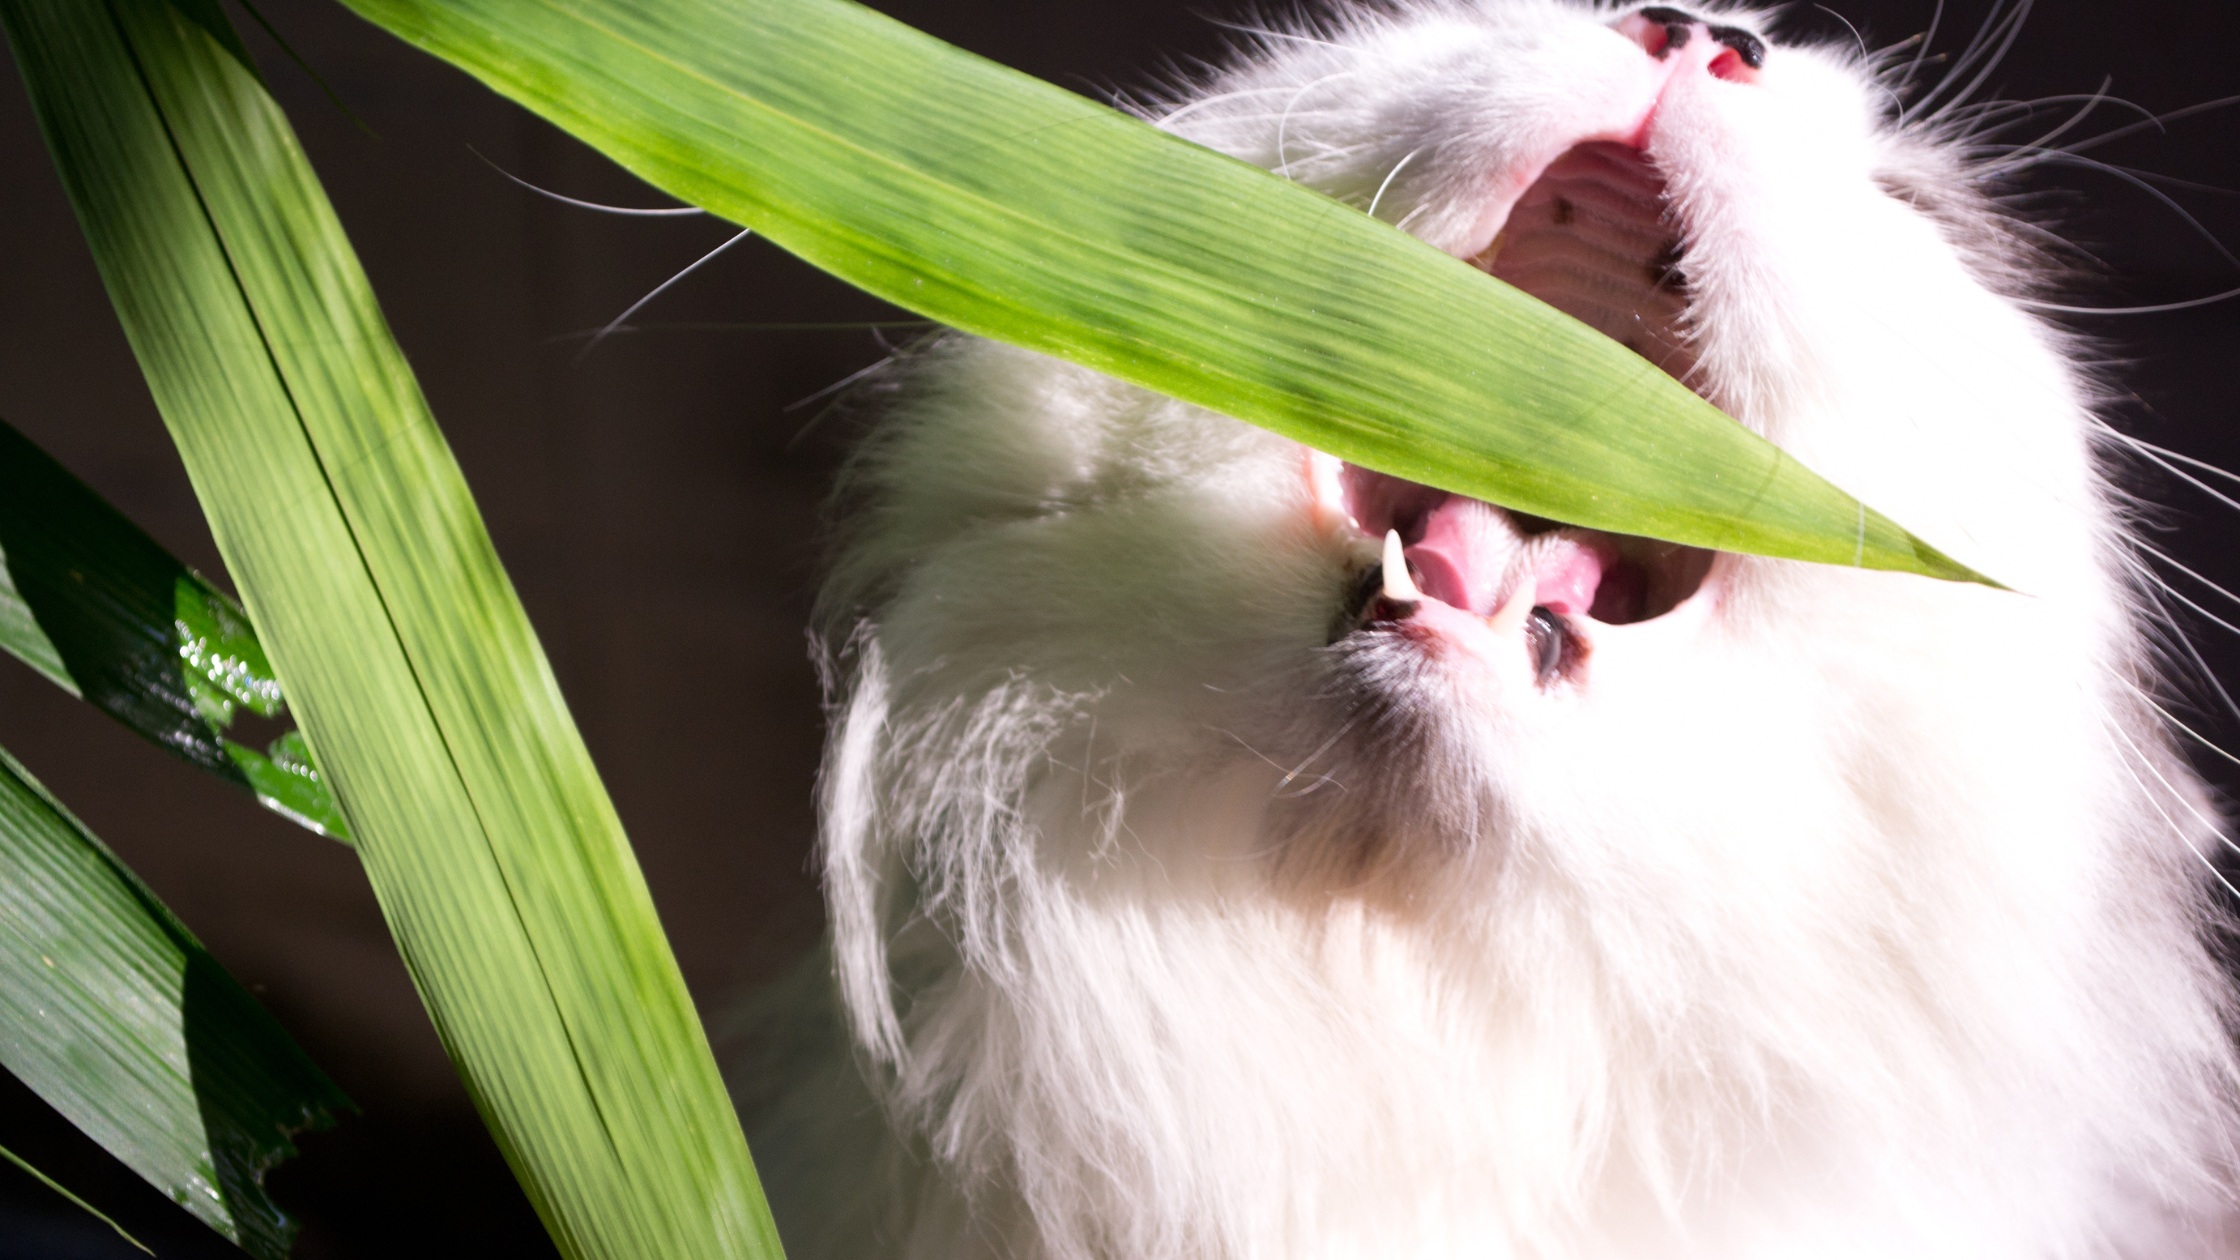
(1212, 877)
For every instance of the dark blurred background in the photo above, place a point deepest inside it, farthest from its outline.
(654, 502)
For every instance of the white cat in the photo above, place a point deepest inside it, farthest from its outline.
(1210, 879)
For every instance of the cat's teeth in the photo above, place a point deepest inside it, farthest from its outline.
(1509, 618)
(1398, 586)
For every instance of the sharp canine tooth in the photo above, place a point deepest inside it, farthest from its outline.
(1398, 586)
(1509, 618)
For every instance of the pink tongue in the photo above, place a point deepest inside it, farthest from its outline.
(1567, 575)
(1464, 554)
(1466, 550)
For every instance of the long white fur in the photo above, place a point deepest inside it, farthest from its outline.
(1858, 916)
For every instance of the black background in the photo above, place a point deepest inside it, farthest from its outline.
(654, 503)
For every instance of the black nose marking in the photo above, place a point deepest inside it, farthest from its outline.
(1749, 47)
(1680, 26)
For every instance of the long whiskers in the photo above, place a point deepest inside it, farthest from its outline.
(2172, 641)
(644, 212)
(1928, 37)
(1292, 773)
(2156, 309)
(1389, 177)
(2175, 830)
(2196, 736)
(2168, 460)
(2155, 123)
(658, 290)
(1169, 117)
(1283, 157)
(1313, 757)
(1990, 46)
(2083, 111)
(2136, 180)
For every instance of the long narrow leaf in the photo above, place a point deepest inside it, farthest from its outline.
(116, 1015)
(408, 661)
(56, 1186)
(1004, 206)
(93, 603)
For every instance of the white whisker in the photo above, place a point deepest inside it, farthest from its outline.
(1315, 756)
(1927, 37)
(1991, 44)
(2155, 122)
(2198, 737)
(658, 290)
(2162, 459)
(834, 388)
(646, 212)
(2215, 828)
(2157, 309)
(1389, 177)
(2167, 453)
(2175, 594)
(1283, 159)
(1216, 99)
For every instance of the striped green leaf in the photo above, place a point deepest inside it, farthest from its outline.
(1004, 206)
(406, 658)
(114, 1014)
(93, 603)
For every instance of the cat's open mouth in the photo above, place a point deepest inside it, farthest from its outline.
(1592, 238)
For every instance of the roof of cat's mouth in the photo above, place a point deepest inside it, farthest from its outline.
(1593, 238)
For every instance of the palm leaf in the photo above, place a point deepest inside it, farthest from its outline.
(115, 1015)
(1000, 205)
(93, 603)
(407, 660)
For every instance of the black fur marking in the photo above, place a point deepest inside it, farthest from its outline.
(1679, 27)
(1749, 47)
(1360, 603)
(1545, 635)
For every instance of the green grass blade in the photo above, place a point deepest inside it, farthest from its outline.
(101, 609)
(408, 661)
(56, 1186)
(114, 1014)
(1004, 206)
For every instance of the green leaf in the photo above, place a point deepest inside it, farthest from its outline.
(114, 1014)
(56, 1186)
(101, 609)
(406, 658)
(287, 781)
(876, 152)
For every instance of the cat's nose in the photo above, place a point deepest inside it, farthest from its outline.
(1662, 31)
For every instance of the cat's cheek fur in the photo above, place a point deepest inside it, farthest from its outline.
(1830, 914)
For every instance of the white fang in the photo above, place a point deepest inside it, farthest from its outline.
(1398, 586)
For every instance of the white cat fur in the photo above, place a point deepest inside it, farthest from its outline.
(1832, 914)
